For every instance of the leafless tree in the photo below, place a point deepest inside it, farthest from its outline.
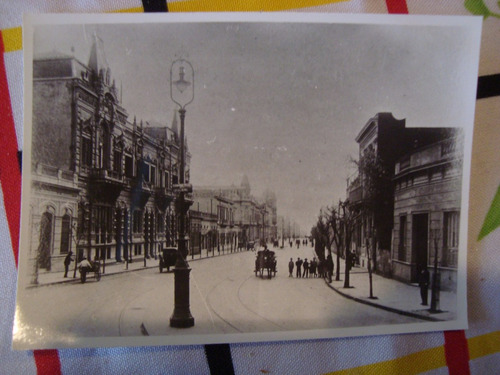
(377, 198)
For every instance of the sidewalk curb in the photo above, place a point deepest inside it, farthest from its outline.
(383, 307)
(77, 279)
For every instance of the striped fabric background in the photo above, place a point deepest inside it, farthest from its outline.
(475, 351)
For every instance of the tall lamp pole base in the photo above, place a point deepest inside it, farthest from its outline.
(181, 317)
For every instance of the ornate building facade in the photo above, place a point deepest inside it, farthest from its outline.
(101, 183)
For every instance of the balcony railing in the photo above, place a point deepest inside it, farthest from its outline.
(54, 175)
(431, 154)
(106, 175)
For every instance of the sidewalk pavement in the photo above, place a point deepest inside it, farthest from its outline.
(114, 267)
(392, 295)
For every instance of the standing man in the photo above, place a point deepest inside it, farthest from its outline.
(306, 269)
(423, 283)
(313, 266)
(67, 262)
(329, 267)
(298, 263)
(290, 268)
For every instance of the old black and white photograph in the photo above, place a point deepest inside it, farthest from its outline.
(213, 178)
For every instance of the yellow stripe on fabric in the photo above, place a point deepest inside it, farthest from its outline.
(483, 345)
(129, 10)
(12, 39)
(415, 363)
(244, 5)
(426, 360)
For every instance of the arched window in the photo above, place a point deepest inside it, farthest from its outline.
(104, 147)
(86, 149)
(106, 140)
(117, 160)
(66, 234)
(45, 244)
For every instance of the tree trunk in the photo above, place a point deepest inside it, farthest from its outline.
(347, 260)
(337, 271)
(370, 271)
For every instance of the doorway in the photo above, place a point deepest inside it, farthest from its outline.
(420, 231)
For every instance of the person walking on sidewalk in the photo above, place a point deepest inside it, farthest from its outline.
(329, 267)
(298, 264)
(290, 268)
(67, 262)
(423, 283)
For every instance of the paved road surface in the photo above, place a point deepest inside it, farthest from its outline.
(226, 297)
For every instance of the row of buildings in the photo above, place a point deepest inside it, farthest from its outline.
(412, 220)
(103, 185)
(230, 217)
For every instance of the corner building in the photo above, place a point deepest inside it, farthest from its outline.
(101, 183)
(390, 139)
(427, 205)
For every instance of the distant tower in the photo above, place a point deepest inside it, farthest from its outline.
(269, 197)
(97, 60)
(245, 185)
(102, 79)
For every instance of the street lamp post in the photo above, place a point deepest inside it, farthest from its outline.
(182, 93)
(436, 277)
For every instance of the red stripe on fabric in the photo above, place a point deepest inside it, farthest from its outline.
(456, 351)
(47, 362)
(397, 6)
(10, 175)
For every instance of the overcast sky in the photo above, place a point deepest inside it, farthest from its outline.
(281, 103)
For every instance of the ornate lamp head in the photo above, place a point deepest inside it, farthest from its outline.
(182, 82)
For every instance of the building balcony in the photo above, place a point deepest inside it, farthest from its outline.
(163, 198)
(355, 191)
(141, 191)
(105, 185)
(52, 176)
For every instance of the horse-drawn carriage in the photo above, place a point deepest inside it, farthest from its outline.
(265, 260)
(168, 258)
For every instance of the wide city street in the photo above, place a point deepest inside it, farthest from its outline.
(226, 297)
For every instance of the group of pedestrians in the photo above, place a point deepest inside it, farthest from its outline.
(304, 268)
(298, 241)
(313, 268)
